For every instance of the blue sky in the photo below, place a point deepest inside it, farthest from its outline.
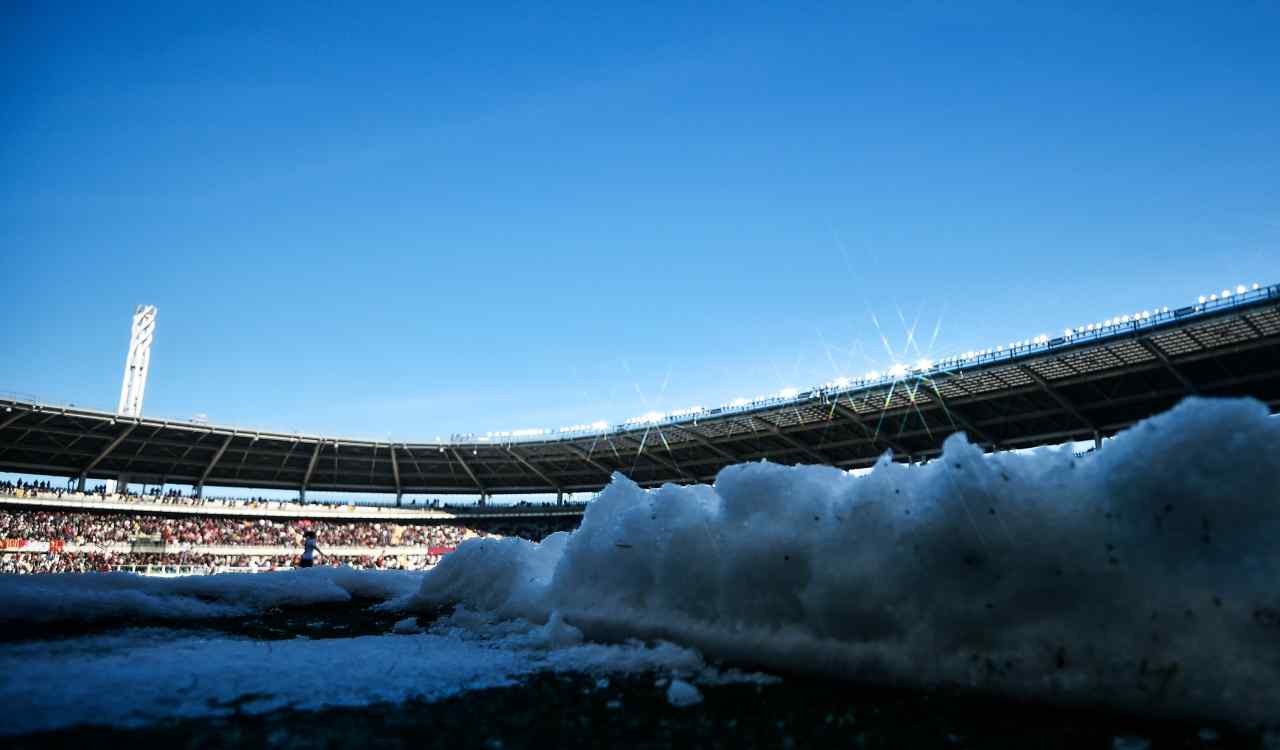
(414, 220)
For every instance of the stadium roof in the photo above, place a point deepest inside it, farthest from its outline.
(1093, 382)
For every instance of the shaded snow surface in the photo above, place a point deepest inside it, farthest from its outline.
(1146, 575)
(89, 597)
(137, 676)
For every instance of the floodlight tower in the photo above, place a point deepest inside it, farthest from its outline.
(135, 367)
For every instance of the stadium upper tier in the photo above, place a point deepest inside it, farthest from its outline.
(1087, 383)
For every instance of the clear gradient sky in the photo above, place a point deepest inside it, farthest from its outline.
(412, 220)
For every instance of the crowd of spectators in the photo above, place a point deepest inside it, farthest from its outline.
(155, 495)
(106, 530)
(102, 562)
(103, 528)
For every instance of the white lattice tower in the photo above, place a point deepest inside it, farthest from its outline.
(135, 367)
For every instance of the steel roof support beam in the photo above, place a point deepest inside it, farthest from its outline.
(84, 473)
(143, 446)
(777, 432)
(311, 467)
(1159, 354)
(413, 460)
(1065, 403)
(483, 492)
(395, 472)
(284, 461)
(209, 469)
(28, 429)
(13, 418)
(705, 443)
(529, 465)
(71, 444)
(672, 465)
(575, 450)
(958, 420)
(874, 435)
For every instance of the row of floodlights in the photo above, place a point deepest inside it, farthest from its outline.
(1120, 320)
(897, 372)
(537, 432)
(1226, 293)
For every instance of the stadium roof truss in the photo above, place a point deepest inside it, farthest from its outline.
(1070, 390)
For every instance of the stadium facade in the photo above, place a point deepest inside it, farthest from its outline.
(1084, 384)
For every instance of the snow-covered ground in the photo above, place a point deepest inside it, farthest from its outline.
(1146, 575)
(136, 676)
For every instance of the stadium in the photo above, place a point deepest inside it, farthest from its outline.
(1085, 387)
(1082, 384)
(663, 376)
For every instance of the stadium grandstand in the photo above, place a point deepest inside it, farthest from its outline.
(1084, 384)
(45, 529)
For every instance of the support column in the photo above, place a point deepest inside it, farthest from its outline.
(395, 469)
(311, 466)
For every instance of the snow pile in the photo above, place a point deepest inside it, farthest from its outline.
(87, 597)
(1146, 575)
